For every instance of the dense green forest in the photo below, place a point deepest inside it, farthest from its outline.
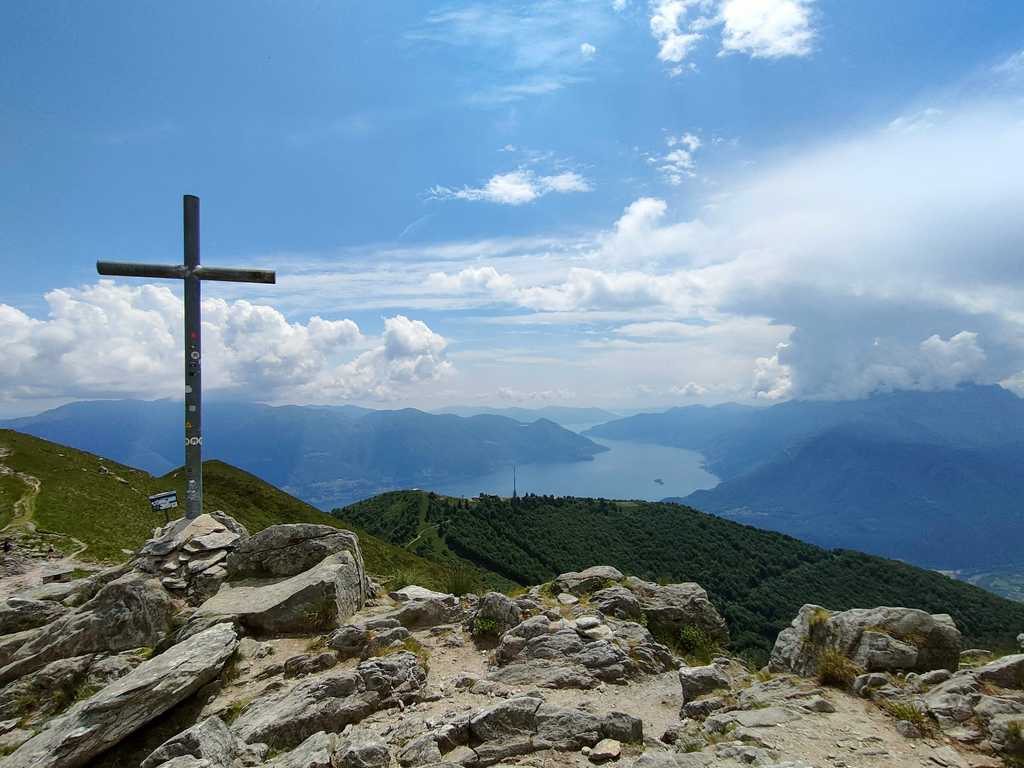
(757, 579)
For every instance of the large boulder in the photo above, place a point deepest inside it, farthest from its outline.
(495, 614)
(154, 687)
(52, 689)
(617, 601)
(420, 612)
(876, 639)
(331, 702)
(696, 681)
(129, 612)
(671, 608)
(589, 580)
(1007, 672)
(517, 726)
(209, 739)
(315, 600)
(19, 613)
(579, 654)
(287, 550)
(77, 591)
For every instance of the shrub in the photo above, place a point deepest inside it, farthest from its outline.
(483, 627)
(234, 709)
(548, 589)
(818, 618)
(694, 643)
(412, 645)
(461, 580)
(902, 710)
(835, 669)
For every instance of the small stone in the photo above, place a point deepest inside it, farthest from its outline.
(819, 704)
(565, 598)
(908, 730)
(605, 750)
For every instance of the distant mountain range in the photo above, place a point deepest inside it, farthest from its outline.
(563, 415)
(327, 456)
(935, 478)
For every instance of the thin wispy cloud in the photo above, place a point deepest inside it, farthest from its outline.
(524, 49)
(515, 188)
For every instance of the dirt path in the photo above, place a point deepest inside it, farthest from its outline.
(25, 507)
(23, 568)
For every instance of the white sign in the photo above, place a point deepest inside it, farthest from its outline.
(163, 501)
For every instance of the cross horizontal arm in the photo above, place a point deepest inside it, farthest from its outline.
(230, 275)
(128, 269)
(224, 274)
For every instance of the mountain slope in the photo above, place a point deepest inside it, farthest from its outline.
(929, 477)
(735, 439)
(758, 579)
(563, 415)
(104, 504)
(325, 455)
(937, 506)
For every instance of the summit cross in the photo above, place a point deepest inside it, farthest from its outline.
(193, 274)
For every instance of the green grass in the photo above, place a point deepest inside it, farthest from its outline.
(79, 499)
(909, 713)
(11, 489)
(835, 670)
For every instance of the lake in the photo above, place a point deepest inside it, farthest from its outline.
(627, 471)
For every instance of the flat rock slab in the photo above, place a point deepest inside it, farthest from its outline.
(756, 718)
(405, 594)
(126, 705)
(180, 531)
(313, 601)
(288, 550)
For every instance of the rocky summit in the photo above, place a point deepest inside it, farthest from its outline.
(214, 648)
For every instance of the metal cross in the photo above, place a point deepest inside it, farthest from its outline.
(192, 274)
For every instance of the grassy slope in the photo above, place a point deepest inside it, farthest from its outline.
(758, 579)
(79, 499)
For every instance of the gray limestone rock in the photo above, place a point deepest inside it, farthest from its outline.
(879, 639)
(287, 550)
(313, 601)
(330, 702)
(589, 580)
(497, 610)
(129, 612)
(19, 613)
(94, 725)
(1007, 672)
(209, 739)
(674, 607)
(696, 681)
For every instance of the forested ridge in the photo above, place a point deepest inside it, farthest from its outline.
(757, 579)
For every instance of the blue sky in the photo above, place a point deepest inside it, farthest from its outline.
(630, 204)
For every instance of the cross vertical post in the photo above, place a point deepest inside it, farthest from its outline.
(193, 362)
(192, 274)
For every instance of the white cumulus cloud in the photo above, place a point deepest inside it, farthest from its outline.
(761, 29)
(115, 340)
(767, 29)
